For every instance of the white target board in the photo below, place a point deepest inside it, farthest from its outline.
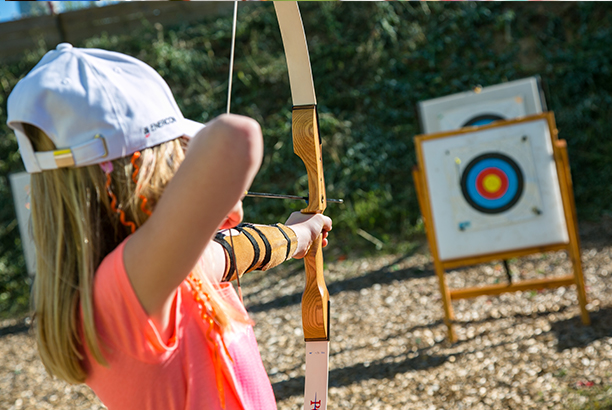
(494, 189)
(482, 106)
(20, 185)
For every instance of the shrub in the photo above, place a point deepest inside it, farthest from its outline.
(372, 62)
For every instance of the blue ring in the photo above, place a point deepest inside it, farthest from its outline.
(505, 164)
(503, 167)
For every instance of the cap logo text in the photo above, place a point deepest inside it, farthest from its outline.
(157, 125)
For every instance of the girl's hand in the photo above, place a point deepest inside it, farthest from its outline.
(307, 227)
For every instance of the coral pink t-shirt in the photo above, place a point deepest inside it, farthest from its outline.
(146, 373)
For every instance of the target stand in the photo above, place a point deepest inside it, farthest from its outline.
(496, 192)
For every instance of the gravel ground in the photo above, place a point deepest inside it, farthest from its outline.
(525, 350)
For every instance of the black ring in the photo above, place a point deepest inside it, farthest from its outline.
(220, 239)
(268, 255)
(513, 165)
(251, 238)
(287, 238)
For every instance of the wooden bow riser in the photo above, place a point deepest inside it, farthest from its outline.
(307, 146)
(315, 300)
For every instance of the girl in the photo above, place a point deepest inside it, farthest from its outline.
(131, 294)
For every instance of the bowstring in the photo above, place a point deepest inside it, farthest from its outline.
(231, 62)
(229, 99)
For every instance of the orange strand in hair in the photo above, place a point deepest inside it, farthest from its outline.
(121, 213)
(143, 205)
(207, 312)
(135, 157)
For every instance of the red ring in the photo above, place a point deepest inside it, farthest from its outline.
(480, 180)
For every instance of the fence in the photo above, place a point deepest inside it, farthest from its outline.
(74, 26)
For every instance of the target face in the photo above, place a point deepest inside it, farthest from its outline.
(492, 189)
(492, 183)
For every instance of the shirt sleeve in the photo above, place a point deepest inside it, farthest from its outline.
(121, 322)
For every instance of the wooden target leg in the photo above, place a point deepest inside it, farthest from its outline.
(449, 315)
(579, 278)
(567, 193)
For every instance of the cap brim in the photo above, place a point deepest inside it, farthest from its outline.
(191, 128)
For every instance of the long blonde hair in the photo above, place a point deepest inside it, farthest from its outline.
(74, 228)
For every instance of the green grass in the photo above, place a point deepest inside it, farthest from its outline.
(598, 398)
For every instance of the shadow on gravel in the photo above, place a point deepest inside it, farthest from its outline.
(572, 333)
(381, 276)
(20, 327)
(354, 374)
(516, 316)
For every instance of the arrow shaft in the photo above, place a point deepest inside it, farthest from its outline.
(283, 196)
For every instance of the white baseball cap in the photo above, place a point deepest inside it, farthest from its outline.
(96, 106)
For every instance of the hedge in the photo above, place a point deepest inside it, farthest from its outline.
(372, 62)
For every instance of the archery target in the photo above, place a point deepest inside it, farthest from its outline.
(482, 106)
(492, 183)
(494, 190)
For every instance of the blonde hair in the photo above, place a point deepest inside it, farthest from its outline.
(74, 228)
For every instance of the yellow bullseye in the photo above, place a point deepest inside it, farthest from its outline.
(492, 183)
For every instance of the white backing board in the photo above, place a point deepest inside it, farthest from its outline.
(536, 219)
(507, 101)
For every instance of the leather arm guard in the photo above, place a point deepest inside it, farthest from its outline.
(258, 247)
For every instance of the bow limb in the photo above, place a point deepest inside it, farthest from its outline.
(307, 145)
